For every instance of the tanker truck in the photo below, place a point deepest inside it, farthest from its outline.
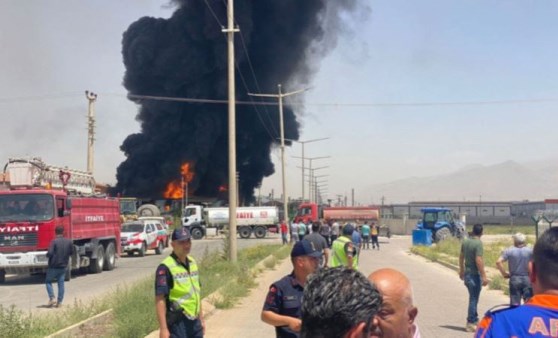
(256, 220)
(312, 212)
(34, 199)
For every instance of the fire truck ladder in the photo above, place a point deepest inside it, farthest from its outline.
(33, 172)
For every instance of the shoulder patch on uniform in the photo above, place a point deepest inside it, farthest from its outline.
(499, 308)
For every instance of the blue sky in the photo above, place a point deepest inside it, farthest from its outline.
(402, 52)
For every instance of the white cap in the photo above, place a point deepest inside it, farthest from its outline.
(519, 238)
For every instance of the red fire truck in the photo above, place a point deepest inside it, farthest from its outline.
(39, 197)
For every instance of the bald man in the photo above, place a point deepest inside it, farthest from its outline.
(396, 318)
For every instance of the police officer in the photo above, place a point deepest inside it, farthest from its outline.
(177, 291)
(344, 251)
(282, 304)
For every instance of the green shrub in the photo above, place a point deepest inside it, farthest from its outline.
(497, 283)
(270, 262)
(13, 322)
(134, 310)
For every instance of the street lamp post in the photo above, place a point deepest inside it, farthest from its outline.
(303, 158)
(318, 185)
(310, 159)
(280, 97)
(311, 182)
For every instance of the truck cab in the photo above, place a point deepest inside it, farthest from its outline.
(308, 212)
(194, 220)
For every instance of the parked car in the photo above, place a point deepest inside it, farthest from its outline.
(142, 235)
(162, 225)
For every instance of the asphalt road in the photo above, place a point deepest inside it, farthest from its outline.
(439, 294)
(28, 292)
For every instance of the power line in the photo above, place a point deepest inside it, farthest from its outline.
(292, 103)
(42, 97)
(214, 15)
(273, 132)
(364, 104)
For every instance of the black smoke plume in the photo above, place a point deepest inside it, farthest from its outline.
(186, 56)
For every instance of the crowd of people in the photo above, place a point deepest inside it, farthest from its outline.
(365, 235)
(324, 300)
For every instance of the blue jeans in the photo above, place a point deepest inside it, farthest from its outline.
(520, 287)
(55, 274)
(474, 286)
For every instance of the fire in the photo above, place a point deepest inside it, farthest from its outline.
(175, 189)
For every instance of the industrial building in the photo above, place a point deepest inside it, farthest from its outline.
(487, 212)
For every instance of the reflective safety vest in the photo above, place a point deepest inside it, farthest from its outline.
(339, 258)
(186, 286)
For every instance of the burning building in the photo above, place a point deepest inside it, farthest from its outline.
(185, 56)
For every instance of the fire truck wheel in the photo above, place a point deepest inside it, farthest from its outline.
(259, 232)
(2, 276)
(130, 253)
(160, 248)
(110, 257)
(97, 263)
(142, 250)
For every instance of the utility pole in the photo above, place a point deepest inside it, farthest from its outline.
(311, 182)
(232, 131)
(91, 97)
(280, 97)
(303, 158)
(310, 159)
(318, 184)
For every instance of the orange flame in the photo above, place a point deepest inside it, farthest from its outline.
(175, 189)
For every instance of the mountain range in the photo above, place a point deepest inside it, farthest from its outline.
(506, 181)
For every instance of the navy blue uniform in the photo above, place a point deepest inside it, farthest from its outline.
(184, 328)
(284, 298)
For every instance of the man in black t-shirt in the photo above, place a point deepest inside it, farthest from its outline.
(59, 252)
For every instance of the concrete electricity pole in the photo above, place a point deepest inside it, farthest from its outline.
(317, 185)
(232, 131)
(311, 182)
(303, 158)
(91, 97)
(310, 159)
(280, 97)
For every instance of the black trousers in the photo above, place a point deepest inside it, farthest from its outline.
(186, 328)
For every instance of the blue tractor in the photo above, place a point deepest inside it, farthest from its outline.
(442, 224)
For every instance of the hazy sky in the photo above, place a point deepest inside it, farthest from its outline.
(390, 96)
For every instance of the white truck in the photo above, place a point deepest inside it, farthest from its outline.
(257, 220)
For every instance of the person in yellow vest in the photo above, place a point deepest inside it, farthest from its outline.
(177, 291)
(344, 251)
